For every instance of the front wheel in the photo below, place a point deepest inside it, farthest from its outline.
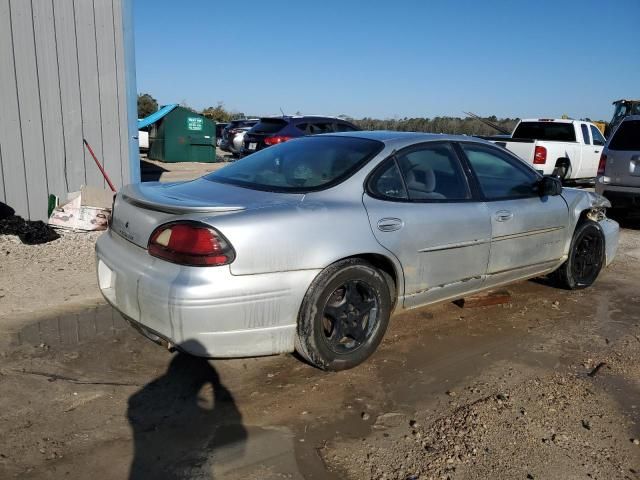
(586, 257)
(344, 315)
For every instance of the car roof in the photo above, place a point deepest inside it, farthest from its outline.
(552, 120)
(401, 139)
(304, 117)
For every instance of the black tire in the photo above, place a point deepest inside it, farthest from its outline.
(586, 257)
(562, 170)
(344, 315)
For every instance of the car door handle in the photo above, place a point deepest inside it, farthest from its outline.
(390, 224)
(503, 215)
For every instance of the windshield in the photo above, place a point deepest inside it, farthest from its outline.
(303, 164)
(560, 131)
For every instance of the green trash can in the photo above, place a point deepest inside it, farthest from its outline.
(180, 135)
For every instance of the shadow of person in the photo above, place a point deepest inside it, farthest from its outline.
(180, 419)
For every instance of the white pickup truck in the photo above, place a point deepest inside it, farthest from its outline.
(569, 149)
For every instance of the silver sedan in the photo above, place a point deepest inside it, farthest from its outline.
(312, 244)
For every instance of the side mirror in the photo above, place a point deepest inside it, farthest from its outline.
(549, 186)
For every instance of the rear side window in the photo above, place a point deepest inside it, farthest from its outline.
(387, 182)
(345, 127)
(423, 173)
(317, 128)
(598, 139)
(627, 136)
(556, 131)
(269, 125)
(585, 134)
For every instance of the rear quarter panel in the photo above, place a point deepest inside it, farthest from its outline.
(312, 234)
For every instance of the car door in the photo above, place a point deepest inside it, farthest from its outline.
(590, 154)
(597, 141)
(421, 208)
(528, 232)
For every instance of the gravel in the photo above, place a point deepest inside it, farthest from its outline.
(35, 278)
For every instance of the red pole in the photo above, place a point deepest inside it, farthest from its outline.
(104, 174)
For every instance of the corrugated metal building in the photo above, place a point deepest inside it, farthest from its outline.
(67, 73)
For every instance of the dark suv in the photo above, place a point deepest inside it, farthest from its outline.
(273, 130)
(233, 128)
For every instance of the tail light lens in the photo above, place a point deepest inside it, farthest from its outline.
(275, 140)
(602, 165)
(190, 243)
(540, 156)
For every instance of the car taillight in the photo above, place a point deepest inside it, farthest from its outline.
(540, 156)
(275, 140)
(602, 165)
(190, 243)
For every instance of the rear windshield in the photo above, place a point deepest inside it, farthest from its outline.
(269, 125)
(560, 132)
(627, 136)
(300, 165)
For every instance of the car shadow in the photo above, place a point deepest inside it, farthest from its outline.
(150, 172)
(625, 218)
(181, 419)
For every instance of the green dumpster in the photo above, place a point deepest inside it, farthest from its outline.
(180, 135)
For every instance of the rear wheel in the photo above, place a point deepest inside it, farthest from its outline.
(586, 257)
(344, 315)
(562, 170)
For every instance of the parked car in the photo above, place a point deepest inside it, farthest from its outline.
(619, 170)
(220, 126)
(274, 130)
(229, 133)
(313, 243)
(569, 149)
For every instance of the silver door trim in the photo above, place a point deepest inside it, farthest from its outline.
(450, 246)
(527, 233)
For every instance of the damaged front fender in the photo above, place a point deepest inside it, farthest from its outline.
(592, 206)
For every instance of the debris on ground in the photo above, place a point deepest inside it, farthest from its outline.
(29, 232)
(484, 299)
(87, 210)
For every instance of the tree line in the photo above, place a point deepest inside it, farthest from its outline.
(451, 125)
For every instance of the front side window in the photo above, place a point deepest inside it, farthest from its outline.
(585, 134)
(499, 175)
(300, 165)
(598, 139)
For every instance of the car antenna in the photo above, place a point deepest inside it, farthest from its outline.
(282, 112)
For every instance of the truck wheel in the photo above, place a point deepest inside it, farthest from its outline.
(562, 170)
(586, 258)
(343, 316)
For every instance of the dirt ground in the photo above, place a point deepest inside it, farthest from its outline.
(544, 387)
(62, 273)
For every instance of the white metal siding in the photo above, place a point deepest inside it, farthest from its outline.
(64, 77)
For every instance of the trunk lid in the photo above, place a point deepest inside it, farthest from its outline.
(140, 208)
(623, 155)
(623, 168)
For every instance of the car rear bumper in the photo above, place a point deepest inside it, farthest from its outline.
(619, 196)
(205, 311)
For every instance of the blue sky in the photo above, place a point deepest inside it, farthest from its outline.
(392, 58)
